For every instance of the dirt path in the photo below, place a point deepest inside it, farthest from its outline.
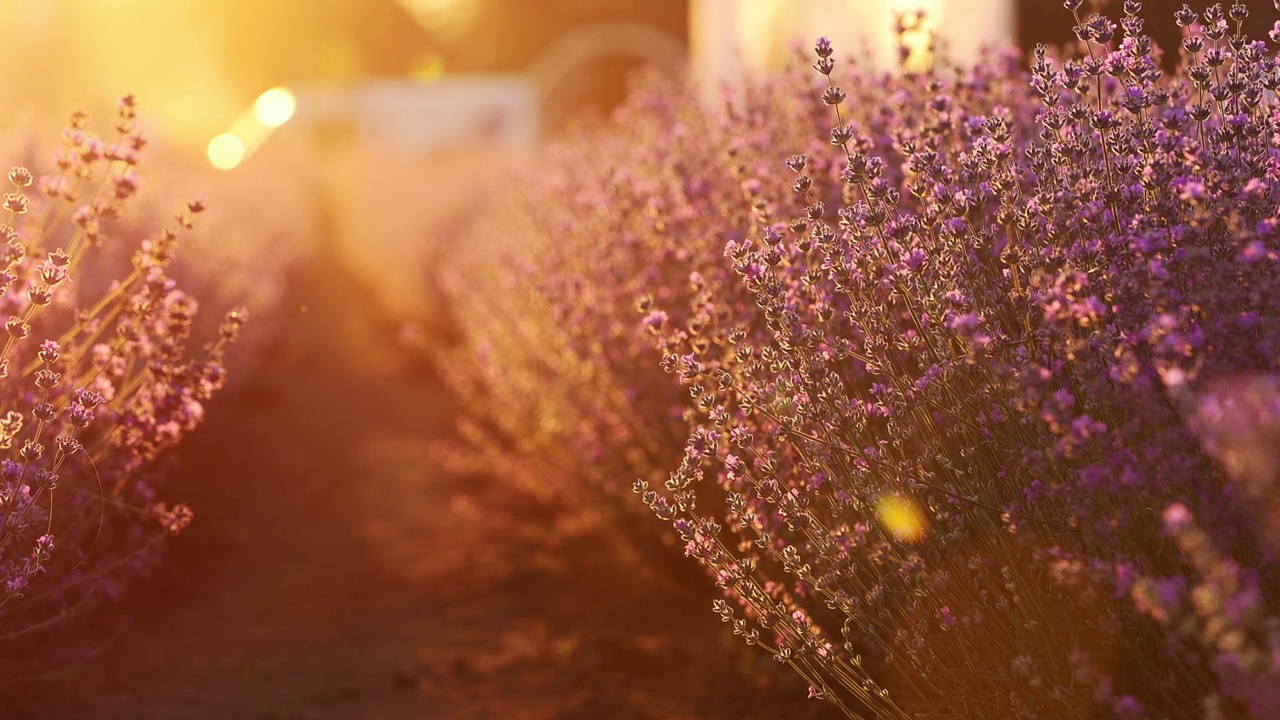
(334, 571)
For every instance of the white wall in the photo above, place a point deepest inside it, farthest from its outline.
(421, 117)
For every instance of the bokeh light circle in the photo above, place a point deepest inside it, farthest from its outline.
(902, 517)
(226, 151)
(275, 106)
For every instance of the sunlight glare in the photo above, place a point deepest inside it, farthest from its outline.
(447, 19)
(226, 151)
(428, 67)
(902, 517)
(918, 37)
(275, 106)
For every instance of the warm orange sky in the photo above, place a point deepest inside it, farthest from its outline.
(73, 53)
(194, 64)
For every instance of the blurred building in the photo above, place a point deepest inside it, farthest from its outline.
(198, 65)
(411, 116)
(579, 54)
(507, 70)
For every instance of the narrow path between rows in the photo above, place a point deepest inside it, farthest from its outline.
(334, 571)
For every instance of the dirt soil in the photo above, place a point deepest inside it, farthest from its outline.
(335, 571)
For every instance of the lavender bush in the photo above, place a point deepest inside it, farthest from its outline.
(561, 375)
(96, 386)
(983, 425)
(223, 261)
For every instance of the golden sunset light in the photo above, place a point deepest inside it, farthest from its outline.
(640, 360)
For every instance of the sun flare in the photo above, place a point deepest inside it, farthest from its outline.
(902, 517)
(226, 151)
(275, 106)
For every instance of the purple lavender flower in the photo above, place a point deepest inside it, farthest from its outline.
(997, 310)
(79, 467)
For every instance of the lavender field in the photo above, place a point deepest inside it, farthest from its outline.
(653, 374)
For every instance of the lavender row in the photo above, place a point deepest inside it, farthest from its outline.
(972, 372)
(100, 377)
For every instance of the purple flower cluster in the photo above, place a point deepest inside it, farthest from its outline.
(95, 387)
(222, 261)
(562, 379)
(983, 366)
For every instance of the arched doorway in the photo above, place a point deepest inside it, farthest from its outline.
(576, 71)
